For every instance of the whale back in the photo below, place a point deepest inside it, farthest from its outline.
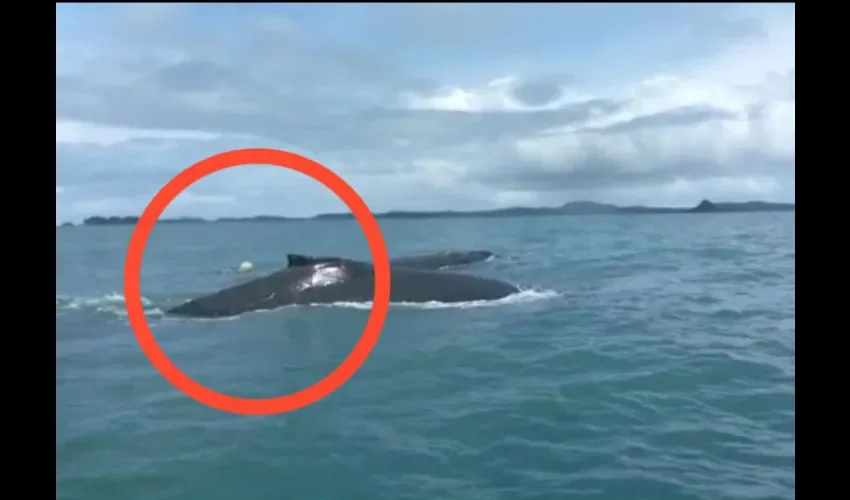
(437, 260)
(444, 259)
(325, 280)
(300, 260)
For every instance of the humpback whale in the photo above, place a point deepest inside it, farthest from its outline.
(326, 280)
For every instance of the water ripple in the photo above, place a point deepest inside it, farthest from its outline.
(664, 371)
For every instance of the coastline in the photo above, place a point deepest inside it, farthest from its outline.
(568, 209)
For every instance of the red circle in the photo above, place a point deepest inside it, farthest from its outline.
(288, 402)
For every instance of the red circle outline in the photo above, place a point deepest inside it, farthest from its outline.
(249, 406)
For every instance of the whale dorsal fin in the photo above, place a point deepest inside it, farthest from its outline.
(297, 260)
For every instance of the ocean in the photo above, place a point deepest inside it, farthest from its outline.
(649, 357)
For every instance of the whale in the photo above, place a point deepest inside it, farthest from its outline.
(437, 260)
(329, 280)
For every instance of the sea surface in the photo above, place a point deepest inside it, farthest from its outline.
(650, 357)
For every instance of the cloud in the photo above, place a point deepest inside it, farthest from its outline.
(72, 132)
(425, 106)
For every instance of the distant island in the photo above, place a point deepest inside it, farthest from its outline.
(132, 219)
(571, 208)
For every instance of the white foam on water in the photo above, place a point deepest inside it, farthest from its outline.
(523, 296)
(110, 303)
(325, 274)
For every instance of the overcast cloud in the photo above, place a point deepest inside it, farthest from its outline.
(425, 106)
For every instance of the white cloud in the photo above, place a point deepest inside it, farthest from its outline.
(79, 132)
(496, 95)
(731, 117)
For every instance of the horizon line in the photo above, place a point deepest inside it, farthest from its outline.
(433, 211)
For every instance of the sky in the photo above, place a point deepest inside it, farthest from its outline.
(424, 106)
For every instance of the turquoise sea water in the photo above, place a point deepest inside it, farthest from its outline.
(652, 358)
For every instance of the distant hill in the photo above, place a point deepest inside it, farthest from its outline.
(114, 220)
(571, 208)
(581, 208)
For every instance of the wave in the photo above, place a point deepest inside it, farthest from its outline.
(523, 296)
(113, 303)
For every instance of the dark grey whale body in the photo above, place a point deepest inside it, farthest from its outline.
(326, 280)
(437, 260)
